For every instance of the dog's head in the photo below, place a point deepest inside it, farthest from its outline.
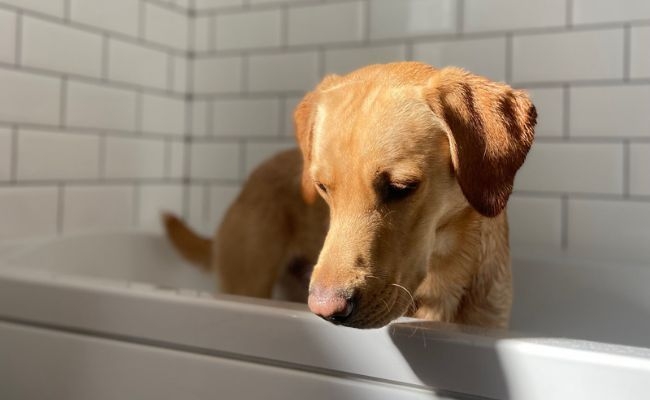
(395, 150)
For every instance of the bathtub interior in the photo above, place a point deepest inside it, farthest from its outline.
(555, 296)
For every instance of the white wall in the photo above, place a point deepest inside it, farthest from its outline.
(92, 114)
(586, 184)
(204, 89)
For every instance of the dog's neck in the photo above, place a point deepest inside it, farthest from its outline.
(458, 253)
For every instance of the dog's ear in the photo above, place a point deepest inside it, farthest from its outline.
(303, 120)
(491, 129)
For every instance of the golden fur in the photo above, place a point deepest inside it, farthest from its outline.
(414, 167)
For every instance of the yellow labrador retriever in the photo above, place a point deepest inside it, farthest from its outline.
(396, 197)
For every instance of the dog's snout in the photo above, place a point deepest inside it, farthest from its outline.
(331, 305)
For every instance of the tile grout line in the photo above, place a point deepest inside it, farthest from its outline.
(88, 79)
(627, 52)
(66, 11)
(19, 38)
(569, 13)
(167, 160)
(205, 207)
(142, 20)
(88, 28)
(366, 15)
(282, 110)
(189, 111)
(566, 109)
(135, 216)
(242, 160)
(63, 100)
(170, 72)
(139, 111)
(564, 222)
(460, 16)
(103, 148)
(60, 209)
(105, 56)
(627, 166)
(13, 169)
(284, 26)
(509, 58)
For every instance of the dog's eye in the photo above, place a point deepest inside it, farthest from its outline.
(322, 187)
(399, 190)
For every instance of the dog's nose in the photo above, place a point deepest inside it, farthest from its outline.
(330, 305)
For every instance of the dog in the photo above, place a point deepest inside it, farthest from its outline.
(396, 197)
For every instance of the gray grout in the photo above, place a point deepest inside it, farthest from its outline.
(171, 7)
(460, 16)
(282, 110)
(189, 117)
(626, 168)
(103, 148)
(207, 199)
(566, 111)
(426, 38)
(509, 58)
(63, 102)
(106, 182)
(91, 130)
(170, 72)
(242, 160)
(66, 10)
(92, 29)
(139, 111)
(60, 208)
(13, 169)
(564, 215)
(212, 33)
(569, 13)
(167, 161)
(209, 116)
(87, 79)
(627, 52)
(136, 205)
(19, 38)
(105, 56)
(284, 27)
(142, 20)
(242, 142)
(245, 72)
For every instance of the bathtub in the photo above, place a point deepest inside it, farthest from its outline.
(120, 316)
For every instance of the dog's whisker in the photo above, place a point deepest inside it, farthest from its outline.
(412, 303)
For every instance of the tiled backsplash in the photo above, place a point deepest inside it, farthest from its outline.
(97, 92)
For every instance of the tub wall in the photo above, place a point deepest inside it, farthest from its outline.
(171, 104)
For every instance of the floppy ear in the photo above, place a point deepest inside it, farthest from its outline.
(303, 122)
(491, 129)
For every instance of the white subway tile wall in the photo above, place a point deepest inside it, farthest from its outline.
(481, 56)
(6, 158)
(55, 46)
(233, 31)
(45, 155)
(228, 73)
(89, 208)
(134, 64)
(92, 114)
(327, 23)
(640, 52)
(283, 72)
(246, 117)
(134, 158)
(7, 36)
